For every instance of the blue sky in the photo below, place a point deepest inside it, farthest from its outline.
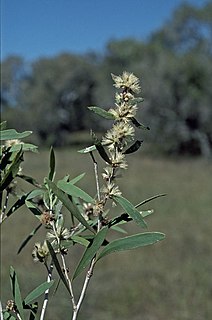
(37, 28)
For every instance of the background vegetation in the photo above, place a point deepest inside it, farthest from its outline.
(175, 64)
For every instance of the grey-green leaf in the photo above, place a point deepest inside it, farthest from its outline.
(57, 265)
(131, 210)
(132, 242)
(139, 125)
(52, 165)
(63, 197)
(37, 292)
(28, 238)
(11, 134)
(16, 292)
(88, 149)
(74, 191)
(102, 113)
(91, 251)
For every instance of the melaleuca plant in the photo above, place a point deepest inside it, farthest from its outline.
(92, 215)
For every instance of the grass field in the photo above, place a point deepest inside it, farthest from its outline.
(169, 281)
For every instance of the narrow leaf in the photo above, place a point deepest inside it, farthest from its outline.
(28, 238)
(78, 178)
(37, 292)
(25, 147)
(150, 199)
(12, 171)
(57, 265)
(80, 240)
(103, 153)
(102, 113)
(134, 147)
(74, 191)
(132, 242)
(139, 125)
(88, 149)
(11, 134)
(131, 210)
(16, 292)
(63, 197)
(91, 251)
(19, 203)
(52, 165)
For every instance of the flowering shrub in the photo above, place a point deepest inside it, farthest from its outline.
(91, 218)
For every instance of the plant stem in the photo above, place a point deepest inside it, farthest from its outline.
(69, 282)
(84, 288)
(1, 311)
(65, 268)
(46, 297)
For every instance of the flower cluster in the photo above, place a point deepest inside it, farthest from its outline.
(122, 132)
(40, 252)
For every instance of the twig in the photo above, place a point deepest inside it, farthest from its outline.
(97, 186)
(84, 288)
(3, 216)
(65, 269)
(1, 311)
(69, 281)
(46, 297)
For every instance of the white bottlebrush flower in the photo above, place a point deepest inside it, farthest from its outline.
(127, 80)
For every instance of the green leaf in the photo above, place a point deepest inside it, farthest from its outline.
(57, 265)
(78, 178)
(16, 292)
(74, 191)
(80, 240)
(19, 203)
(25, 147)
(63, 197)
(32, 207)
(150, 199)
(8, 316)
(139, 125)
(132, 242)
(52, 165)
(35, 193)
(28, 238)
(37, 292)
(91, 251)
(146, 213)
(118, 229)
(131, 210)
(100, 149)
(12, 171)
(102, 113)
(134, 147)
(88, 149)
(11, 134)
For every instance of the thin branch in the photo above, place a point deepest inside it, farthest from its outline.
(3, 213)
(97, 186)
(69, 281)
(84, 288)
(1, 311)
(65, 268)
(46, 297)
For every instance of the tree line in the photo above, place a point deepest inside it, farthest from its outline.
(50, 95)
